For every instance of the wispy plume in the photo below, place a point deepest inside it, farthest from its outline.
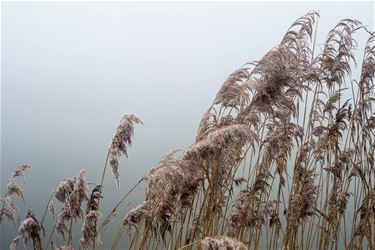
(29, 229)
(120, 141)
(71, 192)
(89, 233)
(9, 209)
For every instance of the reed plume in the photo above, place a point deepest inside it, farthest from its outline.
(250, 211)
(89, 227)
(9, 209)
(29, 230)
(120, 141)
(54, 247)
(221, 243)
(89, 234)
(71, 192)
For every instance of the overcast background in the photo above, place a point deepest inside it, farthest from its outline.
(70, 71)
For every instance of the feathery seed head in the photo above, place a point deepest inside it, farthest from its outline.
(120, 141)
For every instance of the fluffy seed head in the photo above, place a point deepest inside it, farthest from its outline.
(120, 141)
(221, 243)
(89, 234)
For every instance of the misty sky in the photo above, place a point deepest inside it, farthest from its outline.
(70, 71)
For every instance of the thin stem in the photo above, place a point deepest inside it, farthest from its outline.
(117, 205)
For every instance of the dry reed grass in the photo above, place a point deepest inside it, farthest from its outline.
(264, 171)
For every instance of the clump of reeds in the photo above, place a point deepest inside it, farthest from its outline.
(317, 145)
(264, 171)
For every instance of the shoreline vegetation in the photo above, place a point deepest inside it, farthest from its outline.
(283, 159)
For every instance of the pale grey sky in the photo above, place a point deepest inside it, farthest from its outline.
(71, 70)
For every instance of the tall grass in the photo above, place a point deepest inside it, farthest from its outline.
(283, 159)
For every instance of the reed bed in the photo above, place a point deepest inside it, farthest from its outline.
(282, 159)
